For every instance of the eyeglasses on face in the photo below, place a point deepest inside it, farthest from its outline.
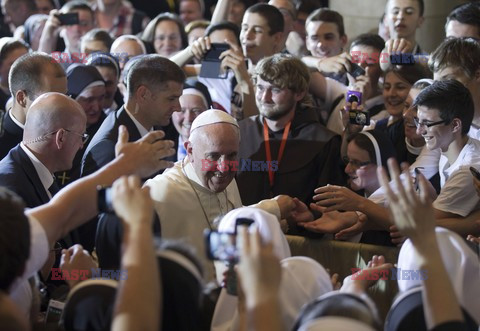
(427, 124)
(44, 137)
(355, 163)
(84, 136)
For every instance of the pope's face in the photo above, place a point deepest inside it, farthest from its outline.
(213, 149)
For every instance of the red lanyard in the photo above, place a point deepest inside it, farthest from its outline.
(268, 151)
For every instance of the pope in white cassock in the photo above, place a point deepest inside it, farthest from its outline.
(189, 196)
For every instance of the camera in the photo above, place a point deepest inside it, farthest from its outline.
(69, 19)
(105, 201)
(354, 96)
(222, 246)
(211, 63)
(359, 117)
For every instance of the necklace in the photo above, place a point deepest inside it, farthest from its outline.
(222, 213)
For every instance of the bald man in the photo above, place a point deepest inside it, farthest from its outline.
(54, 132)
(125, 47)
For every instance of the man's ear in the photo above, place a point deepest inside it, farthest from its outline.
(420, 22)
(60, 138)
(300, 95)
(457, 125)
(188, 147)
(142, 93)
(477, 75)
(344, 40)
(21, 98)
(278, 39)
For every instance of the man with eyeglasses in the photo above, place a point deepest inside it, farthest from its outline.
(445, 112)
(54, 132)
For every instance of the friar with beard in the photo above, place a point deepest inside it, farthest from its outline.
(287, 133)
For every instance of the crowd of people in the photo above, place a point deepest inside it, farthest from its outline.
(155, 158)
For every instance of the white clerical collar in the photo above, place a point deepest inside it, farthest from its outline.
(190, 172)
(15, 120)
(141, 129)
(46, 177)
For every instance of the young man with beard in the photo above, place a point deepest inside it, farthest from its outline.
(286, 132)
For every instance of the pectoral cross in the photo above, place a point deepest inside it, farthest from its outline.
(64, 178)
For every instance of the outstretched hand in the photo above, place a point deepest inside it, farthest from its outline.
(330, 222)
(145, 155)
(300, 213)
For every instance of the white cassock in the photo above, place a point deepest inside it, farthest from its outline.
(182, 209)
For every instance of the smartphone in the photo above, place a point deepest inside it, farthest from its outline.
(54, 311)
(475, 173)
(221, 246)
(211, 63)
(356, 70)
(416, 181)
(69, 19)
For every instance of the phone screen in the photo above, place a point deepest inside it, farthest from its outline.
(221, 246)
(211, 63)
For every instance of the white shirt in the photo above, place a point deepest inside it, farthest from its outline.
(46, 177)
(220, 90)
(474, 132)
(458, 193)
(141, 129)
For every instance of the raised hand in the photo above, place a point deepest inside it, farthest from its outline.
(131, 202)
(335, 64)
(145, 155)
(412, 213)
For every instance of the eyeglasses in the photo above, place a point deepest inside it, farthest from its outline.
(355, 163)
(419, 124)
(44, 137)
(84, 136)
